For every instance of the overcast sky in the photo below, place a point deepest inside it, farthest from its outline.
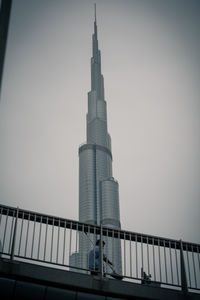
(151, 66)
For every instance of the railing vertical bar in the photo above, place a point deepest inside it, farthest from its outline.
(159, 260)
(170, 254)
(136, 255)
(177, 265)
(101, 252)
(113, 257)
(33, 240)
(64, 243)
(52, 235)
(165, 262)
(70, 240)
(119, 251)
(198, 255)
(1, 215)
(0, 221)
(124, 255)
(91, 244)
(76, 247)
(88, 246)
(154, 266)
(58, 241)
(12, 254)
(45, 242)
(195, 278)
(188, 264)
(107, 249)
(38, 253)
(27, 231)
(148, 255)
(4, 236)
(119, 240)
(130, 257)
(142, 252)
(83, 237)
(184, 283)
(95, 235)
(11, 232)
(94, 247)
(20, 237)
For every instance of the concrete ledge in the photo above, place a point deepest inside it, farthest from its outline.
(47, 276)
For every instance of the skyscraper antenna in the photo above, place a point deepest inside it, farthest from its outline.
(95, 16)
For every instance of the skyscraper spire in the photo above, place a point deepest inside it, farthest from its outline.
(98, 191)
(97, 81)
(95, 15)
(95, 22)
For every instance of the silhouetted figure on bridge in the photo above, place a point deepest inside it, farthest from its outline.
(94, 258)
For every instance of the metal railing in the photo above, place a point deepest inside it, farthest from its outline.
(44, 239)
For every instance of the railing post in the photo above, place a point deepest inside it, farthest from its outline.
(101, 252)
(14, 236)
(184, 285)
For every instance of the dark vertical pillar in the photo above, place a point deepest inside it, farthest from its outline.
(4, 24)
(183, 271)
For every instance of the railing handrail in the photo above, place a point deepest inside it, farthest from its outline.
(106, 231)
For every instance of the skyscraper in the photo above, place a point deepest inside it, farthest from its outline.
(98, 190)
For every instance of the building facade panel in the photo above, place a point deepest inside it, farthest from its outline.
(87, 188)
(97, 132)
(110, 201)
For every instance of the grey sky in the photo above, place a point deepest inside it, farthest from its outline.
(151, 66)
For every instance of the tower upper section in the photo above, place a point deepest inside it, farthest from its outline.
(97, 81)
(97, 111)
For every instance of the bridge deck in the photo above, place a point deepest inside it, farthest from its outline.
(30, 281)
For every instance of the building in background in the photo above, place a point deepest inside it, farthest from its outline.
(98, 190)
